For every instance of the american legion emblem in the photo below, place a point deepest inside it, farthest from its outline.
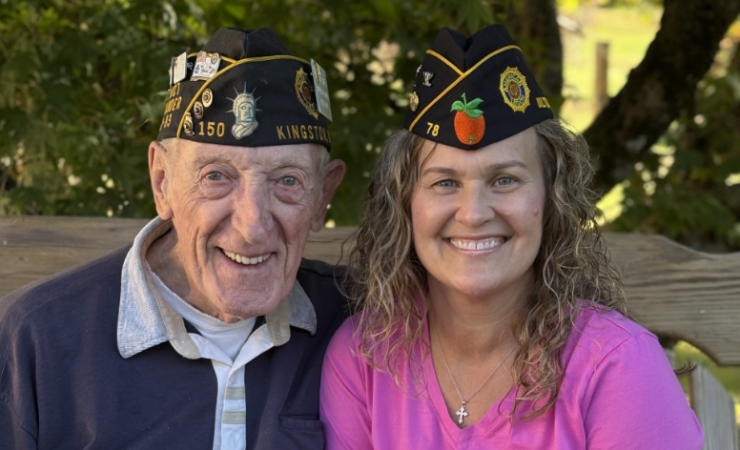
(514, 89)
(304, 90)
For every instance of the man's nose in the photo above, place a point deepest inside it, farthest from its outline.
(476, 206)
(252, 217)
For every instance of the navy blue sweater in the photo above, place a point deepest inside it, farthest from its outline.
(63, 384)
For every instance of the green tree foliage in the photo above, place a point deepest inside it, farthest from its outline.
(83, 84)
(688, 187)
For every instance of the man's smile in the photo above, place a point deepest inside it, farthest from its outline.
(246, 260)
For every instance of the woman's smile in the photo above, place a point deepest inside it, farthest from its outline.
(477, 244)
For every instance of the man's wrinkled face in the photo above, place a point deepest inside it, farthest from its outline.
(241, 219)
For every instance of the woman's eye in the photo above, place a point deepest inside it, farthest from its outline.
(288, 181)
(504, 181)
(215, 176)
(446, 183)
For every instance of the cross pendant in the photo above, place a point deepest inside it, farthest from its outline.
(462, 414)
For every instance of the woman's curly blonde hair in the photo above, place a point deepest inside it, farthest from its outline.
(572, 265)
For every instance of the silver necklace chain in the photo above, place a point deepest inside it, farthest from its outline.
(462, 412)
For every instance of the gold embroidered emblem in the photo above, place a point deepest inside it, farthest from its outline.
(244, 107)
(304, 92)
(514, 89)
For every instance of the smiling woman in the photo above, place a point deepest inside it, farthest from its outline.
(488, 313)
(477, 217)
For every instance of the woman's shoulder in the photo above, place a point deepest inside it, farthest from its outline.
(597, 333)
(345, 341)
(619, 378)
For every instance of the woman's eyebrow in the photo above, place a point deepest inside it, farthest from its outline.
(439, 170)
(506, 165)
(490, 169)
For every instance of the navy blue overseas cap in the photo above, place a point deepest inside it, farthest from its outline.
(472, 92)
(246, 89)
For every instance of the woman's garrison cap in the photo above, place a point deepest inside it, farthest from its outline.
(472, 92)
(246, 89)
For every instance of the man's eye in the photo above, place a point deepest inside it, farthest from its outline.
(215, 176)
(288, 181)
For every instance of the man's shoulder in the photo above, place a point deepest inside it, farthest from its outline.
(76, 284)
(328, 279)
(322, 283)
(319, 268)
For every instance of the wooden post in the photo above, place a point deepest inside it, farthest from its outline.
(601, 94)
(715, 410)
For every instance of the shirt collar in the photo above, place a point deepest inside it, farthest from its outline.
(145, 319)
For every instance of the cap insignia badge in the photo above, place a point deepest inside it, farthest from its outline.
(427, 78)
(304, 91)
(470, 126)
(542, 102)
(179, 68)
(413, 101)
(514, 89)
(207, 98)
(321, 88)
(245, 110)
(187, 125)
(206, 65)
(198, 110)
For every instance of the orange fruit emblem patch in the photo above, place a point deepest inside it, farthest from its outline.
(469, 122)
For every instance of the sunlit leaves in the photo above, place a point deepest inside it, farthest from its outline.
(82, 86)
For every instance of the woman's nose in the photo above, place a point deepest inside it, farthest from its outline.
(476, 206)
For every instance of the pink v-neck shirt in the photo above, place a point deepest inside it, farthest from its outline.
(618, 392)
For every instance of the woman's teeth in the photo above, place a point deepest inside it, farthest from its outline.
(481, 244)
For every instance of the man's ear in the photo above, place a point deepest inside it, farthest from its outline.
(333, 175)
(158, 169)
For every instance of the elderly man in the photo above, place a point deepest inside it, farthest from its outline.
(210, 330)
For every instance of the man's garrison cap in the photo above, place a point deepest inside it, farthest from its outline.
(472, 92)
(246, 89)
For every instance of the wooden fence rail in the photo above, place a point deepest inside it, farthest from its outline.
(672, 290)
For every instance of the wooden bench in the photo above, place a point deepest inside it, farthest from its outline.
(676, 292)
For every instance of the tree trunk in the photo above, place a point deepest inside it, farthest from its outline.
(660, 86)
(534, 24)
(6, 181)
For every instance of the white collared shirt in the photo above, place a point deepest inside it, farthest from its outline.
(151, 314)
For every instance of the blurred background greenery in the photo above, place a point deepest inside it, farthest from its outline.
(83, 85)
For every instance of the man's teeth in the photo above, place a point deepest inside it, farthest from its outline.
(476, 245)
(241, 259)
